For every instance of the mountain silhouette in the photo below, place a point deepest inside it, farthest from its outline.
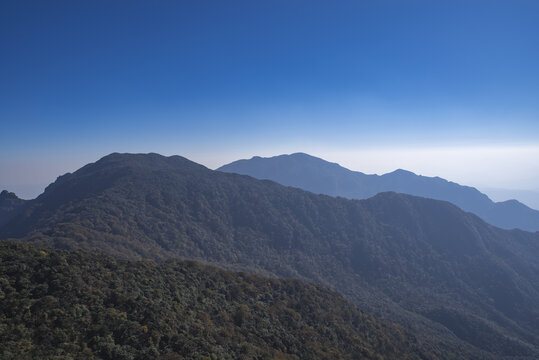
(322, 177)
(465, 288)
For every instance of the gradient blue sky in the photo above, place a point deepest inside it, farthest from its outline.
(448, 88)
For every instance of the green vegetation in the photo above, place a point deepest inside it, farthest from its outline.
(65, 305)
(464, 288)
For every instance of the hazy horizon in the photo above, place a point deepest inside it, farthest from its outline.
(526, 196)
(440, 89)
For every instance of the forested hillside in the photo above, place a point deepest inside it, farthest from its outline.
(465, 288)
(75, 305)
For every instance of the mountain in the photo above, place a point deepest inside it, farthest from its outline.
(10, 205)
(67, 305)
(466, 289)
(529, 197)
(321, 177)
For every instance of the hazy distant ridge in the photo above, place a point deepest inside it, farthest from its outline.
(322, 177)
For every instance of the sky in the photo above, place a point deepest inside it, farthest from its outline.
(441, 88)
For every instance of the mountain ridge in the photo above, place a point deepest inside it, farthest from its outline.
(425, 264)
(319, 176)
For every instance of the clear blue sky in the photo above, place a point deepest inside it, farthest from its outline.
(218, 80)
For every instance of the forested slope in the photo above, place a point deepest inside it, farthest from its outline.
(467, 289)
(64, 305)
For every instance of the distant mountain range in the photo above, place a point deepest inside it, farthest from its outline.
(466, 289)
(322, 177)
(528, 197)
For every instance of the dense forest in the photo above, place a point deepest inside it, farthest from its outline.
(464, 288)
(75, 305)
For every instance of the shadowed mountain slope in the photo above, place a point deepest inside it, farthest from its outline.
(321, 177)
(80, 305)
(465, 288)
(10, 205)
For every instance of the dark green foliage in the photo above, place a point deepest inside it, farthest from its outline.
(405, 258)
(66, 305)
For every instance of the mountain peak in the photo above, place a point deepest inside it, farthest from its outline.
(322, 177)
(114, 167)
(302, 155)
(298, 157)
(294, 156)
(402, 172)
(6, 195)
(149, 160)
